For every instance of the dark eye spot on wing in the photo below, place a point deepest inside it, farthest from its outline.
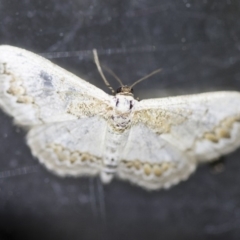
(47, 79)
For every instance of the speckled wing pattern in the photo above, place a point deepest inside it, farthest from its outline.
(76, 129)
(179, 133)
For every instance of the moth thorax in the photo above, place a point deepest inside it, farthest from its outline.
(124, 103)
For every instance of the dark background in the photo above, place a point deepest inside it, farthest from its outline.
(197, 43)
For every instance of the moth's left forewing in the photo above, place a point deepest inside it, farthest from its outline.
(203, 126)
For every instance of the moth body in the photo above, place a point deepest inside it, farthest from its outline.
(117, 134)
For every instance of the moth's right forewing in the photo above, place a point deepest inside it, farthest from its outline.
(34, 90)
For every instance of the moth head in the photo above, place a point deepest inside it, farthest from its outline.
(125, 90)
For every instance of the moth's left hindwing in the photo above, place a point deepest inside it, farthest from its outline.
(151, 162)
(34, 91)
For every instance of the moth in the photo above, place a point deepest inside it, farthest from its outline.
(76, 129)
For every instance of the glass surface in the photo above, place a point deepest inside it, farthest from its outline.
(196, 43)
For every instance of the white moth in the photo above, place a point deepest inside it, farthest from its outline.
(76, 129)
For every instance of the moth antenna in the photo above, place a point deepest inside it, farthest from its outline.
(113, 74)
(96, 60)
(149, 75)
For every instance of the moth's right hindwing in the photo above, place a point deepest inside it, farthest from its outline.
(72, 148)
